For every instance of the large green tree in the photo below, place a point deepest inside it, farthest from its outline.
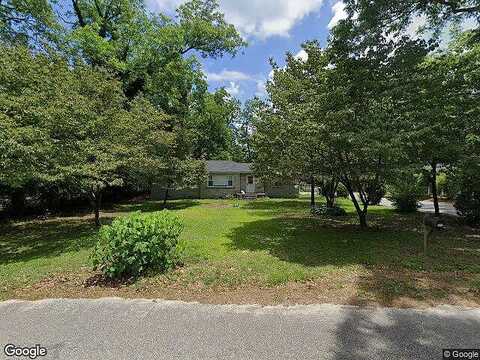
(435, 111)
(338, 109)
(151, 58)
(74, 128)
(153, 54)
(211, 121)
(244, 128)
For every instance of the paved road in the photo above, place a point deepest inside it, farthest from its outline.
(118, 329)
(445, 207)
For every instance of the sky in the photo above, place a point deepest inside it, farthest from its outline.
(272, 28)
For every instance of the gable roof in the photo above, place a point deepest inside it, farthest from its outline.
(228, 167)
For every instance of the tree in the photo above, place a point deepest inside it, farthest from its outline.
(75, 128)
(465, 173)
(27, 152)
(244, 128)
(211, 122)
(23, 20)
(153, 58)
(395, 16)
(153, 54)
(339, 108)
(437, 110)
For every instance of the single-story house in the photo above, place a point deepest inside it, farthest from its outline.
(228, 179)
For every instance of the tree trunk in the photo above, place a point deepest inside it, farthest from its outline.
(362, 214)
(165, 198)
(312, 192)
(330, 200)
(18, 202)
(97, 204)
(96, 199)
(433, 178)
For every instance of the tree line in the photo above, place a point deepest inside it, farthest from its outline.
(99, 93)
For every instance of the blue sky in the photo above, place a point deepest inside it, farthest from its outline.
(271, 27)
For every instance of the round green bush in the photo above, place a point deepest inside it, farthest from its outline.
(136, 243)
(342, 191)
(404, 202)
(323, 210)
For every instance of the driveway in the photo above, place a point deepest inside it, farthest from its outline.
(445, 207)
(119, 329)
(427, 206)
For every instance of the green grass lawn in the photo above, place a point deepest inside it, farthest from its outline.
(246, 248)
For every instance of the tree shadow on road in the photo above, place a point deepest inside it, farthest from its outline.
(401, 334)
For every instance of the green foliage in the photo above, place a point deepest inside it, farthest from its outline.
(336, 115)
(342, 191)
(137, 243)
(404, 190)
(376, 193)
(211, 123)
(467, 178)
(153, 54)
(324, 210)
(21, 20)
(70, 127)
(468, 205)
(404, 200)
(244, 129)
(396, 16)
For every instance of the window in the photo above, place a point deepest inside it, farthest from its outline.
(220, 181)
(250, 179)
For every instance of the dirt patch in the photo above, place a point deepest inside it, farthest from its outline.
(369, 288)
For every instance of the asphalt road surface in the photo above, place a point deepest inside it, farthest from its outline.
(445, 207)
(427, 206)
(119, 329)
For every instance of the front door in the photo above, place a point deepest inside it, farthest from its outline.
(250, 184)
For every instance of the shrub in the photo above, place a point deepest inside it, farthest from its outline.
(342, 191)
(467, 204)
(323, 210)
(404, 191)
(136, 243)
(405, 202)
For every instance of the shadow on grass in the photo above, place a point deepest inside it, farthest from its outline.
(277, 205)
(308, 241)
(29, 241)
(153, 206)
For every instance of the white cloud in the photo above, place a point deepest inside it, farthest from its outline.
(261, 88)
(339, 13)
(417, 29)
(416, 25)
(302, 55)
(228, 75)
(233, 89)
(260, 18)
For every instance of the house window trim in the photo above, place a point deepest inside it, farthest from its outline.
(229, 185)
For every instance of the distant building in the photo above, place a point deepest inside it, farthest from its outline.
(228, 179)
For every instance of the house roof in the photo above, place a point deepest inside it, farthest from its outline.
(228, 167)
